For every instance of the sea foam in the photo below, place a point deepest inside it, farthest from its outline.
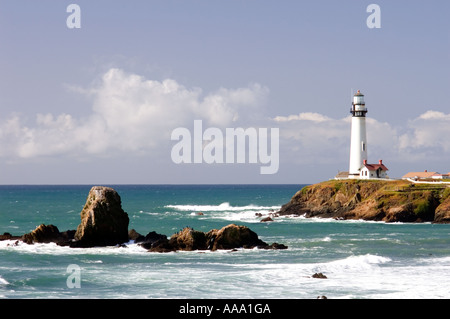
(3, 282)
(221, 207)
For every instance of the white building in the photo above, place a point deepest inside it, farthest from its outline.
(368, 171)
(425, 175)
(359, 168)
(358, 145)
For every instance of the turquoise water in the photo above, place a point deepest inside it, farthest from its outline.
(360, 259)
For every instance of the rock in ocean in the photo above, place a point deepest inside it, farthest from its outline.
(228, 237)
(234, 236)
(48, 234)
(103, 221)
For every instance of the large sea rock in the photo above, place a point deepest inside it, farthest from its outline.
(389, 201)
(103, 221)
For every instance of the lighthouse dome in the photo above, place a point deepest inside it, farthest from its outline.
(358, 99)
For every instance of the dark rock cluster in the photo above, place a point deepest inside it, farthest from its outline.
(188, 239)
(104, 223)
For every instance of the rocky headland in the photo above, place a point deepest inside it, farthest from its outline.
(105, 223)
(388, 201)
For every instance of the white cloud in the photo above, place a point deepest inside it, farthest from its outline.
(427, 135)
(308, 116)
(316, 138)
(435, 115)
(382, 140)
(312, 138)
(133, 115)
(129, 114)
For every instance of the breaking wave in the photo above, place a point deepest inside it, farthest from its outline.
(224, 211)
(220, 208)
(3, 281)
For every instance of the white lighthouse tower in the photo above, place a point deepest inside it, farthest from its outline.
(358, 145)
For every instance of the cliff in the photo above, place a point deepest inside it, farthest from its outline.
(389, 201)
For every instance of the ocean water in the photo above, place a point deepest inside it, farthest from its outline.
(360, 259)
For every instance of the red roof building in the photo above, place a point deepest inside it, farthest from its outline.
(419, 175)
(369, 171)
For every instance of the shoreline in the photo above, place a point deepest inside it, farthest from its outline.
(378, 200)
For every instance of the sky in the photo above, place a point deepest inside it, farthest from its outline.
(99, 103)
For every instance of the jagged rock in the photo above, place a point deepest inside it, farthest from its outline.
(233, 236)
(266, 219)
(42, 234)
(276, 246)
(156, 242)
(319, 275)
(134, 235)
(161, 246)
(228, 237)
(48, 234)
(442, 214)
(188, 239)
(103, 221)
(8, 236)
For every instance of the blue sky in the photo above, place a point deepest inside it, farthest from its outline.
(88, 105)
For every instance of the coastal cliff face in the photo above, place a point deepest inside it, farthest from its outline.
(389, 201)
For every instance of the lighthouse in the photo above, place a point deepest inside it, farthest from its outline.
(358, 144)
(359, 167)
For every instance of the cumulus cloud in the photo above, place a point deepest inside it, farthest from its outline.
(307, 116)
(132, 114)
(129, 114)
(316, 138)
(427, 135)
(310, 137)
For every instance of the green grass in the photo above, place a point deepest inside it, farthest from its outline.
(423, 208)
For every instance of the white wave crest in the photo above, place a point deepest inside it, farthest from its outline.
(224, 211)
(3, 281)
(54, 249)
(354, 264)
(220, 208)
